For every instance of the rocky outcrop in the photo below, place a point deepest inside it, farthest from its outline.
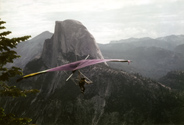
(70, 36)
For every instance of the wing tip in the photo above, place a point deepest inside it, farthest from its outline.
(129, 61)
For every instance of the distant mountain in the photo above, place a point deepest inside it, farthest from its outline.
(173, 39)
(167, 42)
(151, 57)
(115, 97)
(30, 49)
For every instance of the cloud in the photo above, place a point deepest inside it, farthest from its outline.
(106, 19)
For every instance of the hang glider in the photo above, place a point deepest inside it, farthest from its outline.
(75, 66)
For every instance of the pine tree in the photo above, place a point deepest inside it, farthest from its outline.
(7, 55)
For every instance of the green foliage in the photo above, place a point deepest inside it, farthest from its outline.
(7, 55)
(10, 119)
(174, 79)
(145, 103)
(12, 91)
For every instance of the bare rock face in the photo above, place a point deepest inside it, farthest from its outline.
(69, 36)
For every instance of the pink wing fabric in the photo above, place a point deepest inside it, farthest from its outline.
(83, 63)
(74, 66)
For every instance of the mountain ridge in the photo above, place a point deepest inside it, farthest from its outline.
(165, 38)
(151, 58)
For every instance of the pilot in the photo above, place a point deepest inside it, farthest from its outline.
(82, 82)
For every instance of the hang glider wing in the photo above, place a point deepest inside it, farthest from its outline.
(75, 66)
(85, 63)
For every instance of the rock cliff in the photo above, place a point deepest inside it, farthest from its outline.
(70, 36)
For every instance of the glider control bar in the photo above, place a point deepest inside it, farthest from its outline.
(75, 70)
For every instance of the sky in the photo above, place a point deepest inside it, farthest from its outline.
(106, 20)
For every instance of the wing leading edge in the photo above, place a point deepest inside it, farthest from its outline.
(74, 66)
